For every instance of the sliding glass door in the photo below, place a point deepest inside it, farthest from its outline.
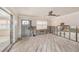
(4, 29)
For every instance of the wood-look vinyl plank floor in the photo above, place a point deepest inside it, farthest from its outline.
(45, 43)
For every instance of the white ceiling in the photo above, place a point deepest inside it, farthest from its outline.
(42, 11)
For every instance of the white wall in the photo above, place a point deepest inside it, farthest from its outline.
(70, 19)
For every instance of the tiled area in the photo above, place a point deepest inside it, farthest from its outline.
(45, 43)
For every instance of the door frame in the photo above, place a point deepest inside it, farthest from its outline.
(21, 25)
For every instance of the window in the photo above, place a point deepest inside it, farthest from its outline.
(41, 25)
(25, 22)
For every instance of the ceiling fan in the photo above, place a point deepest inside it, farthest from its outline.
(52, 14)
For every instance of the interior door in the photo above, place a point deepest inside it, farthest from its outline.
(25, 28)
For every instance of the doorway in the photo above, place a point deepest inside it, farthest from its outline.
(25, 28)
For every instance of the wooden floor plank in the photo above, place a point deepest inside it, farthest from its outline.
(45, 43)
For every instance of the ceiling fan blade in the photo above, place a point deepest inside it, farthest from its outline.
(51, 14)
